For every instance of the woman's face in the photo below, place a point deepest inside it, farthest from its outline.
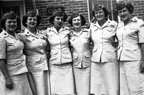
(100, 15)
(11, 24)
(31, 21)
(124, 14)
(76, 22)
(58, 21)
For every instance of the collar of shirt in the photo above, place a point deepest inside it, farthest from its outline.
(121, 23)
(5, 35)
(63, 28)
(78, 34)
(107, 23)
(28, 33)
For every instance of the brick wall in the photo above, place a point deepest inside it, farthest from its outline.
(107, 4)
(138, 8)
(70, 7)
(78, 6)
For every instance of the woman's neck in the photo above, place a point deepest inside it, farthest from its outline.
(77, 30)
(127, 21)
(11, 32)
(57, 28)
(101, 23)
(32, 30)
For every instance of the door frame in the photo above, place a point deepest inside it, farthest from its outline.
(20, 3)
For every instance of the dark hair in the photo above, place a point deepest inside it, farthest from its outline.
(83, 21)
(99, 7)
(124, 4)
(31, 14)
(8, 15)
(57, 13)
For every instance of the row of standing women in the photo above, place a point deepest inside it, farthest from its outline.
(105, 59)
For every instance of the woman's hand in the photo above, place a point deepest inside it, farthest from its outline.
(142, 63)
(9, 83)
(142, 67)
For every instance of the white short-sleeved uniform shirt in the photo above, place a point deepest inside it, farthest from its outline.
(11, 49)
(59, 43)
(103, 37)
(129, 37)
(80, 44)
(35, 50)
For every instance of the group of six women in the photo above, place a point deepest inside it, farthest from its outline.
(105, 59)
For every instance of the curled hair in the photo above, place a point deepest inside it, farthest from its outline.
(57, 13)
(31, 14)
(124, 4)
(83, 20)
(99, 7)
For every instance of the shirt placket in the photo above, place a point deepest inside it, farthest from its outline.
(60, 46)
(122, 42)
(81, 53)
(101, 49)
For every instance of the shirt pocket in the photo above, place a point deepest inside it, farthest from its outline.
(54, 54)
(15, 62)
(111, 54)
(36, 60)
(109, 29)
(132, 51)
(11, 42)
(132, 48)
(94, 29)
(30, 39)
(66, 54)
(75, 56)
(94, 49)
(72, 40)
(87, 57)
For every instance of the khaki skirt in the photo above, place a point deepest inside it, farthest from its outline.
(21, 85)
(61, 79)
(82, 80)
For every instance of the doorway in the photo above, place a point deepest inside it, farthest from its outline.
(16, 6)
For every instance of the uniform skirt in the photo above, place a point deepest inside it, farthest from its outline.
(39, 82)
(131, 80)
(21, 85)
(104, 78)
(82, 80)
(61, 79)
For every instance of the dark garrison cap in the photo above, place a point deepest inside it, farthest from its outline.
(9, 15)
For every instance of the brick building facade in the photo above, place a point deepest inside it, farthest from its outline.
(82, 6)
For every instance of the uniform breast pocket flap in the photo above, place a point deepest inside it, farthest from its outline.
(131, 49)
(95, 49)
(33, 59)
(109, 29)
(75, 56)
(11, 43)
(87, 54)
(72, 39)
(54, 52)
(94, 29)
(30, 39)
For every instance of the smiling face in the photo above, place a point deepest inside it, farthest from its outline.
(100, 15)
(58, 21)
(11, 24)
(31, 21)
(76, 22)
(124, 14)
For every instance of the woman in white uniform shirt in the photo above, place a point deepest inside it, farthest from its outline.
(80, 43)
(104, 69)
(12, 59)
(60, 62)
(130, 34)
(35, 44)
